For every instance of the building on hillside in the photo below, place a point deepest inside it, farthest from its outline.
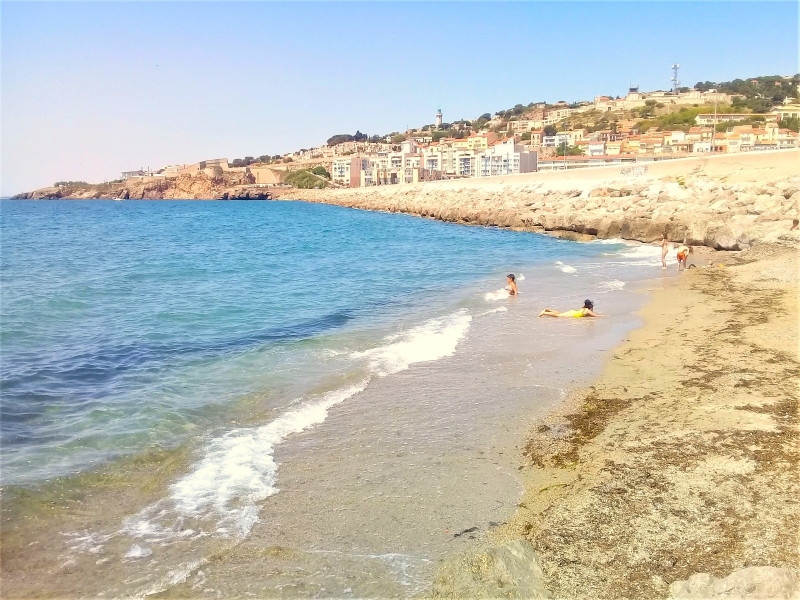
(603, 103)
(136, 174)
(596, 148)
(476, 141)
(711, 118)
(506, 158)
(555, 115)
(522, 125)
(347, 170)
(466, 163)
(787, 111)
(439, 119)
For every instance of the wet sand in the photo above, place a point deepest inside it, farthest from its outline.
(681, 459)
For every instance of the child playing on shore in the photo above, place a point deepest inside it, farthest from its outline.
(683, 255)
(586, 311)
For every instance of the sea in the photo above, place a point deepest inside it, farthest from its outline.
(277, 399)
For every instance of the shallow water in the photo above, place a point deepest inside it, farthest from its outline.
(328, 396)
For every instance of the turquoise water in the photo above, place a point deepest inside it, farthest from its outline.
(128, 326)
(336, 391)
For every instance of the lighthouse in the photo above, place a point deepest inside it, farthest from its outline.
(439, 119)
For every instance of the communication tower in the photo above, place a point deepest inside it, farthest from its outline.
(675, 83)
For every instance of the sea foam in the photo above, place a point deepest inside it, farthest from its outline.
(614, 284)
(500, 294)
(565, 268)
(237, 470)
(432, 340)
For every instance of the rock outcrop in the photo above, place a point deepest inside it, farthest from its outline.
(200, 186)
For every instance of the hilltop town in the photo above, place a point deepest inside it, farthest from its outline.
(710, 119)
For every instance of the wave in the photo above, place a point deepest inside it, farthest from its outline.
(237, 470)
(614, 284)
(432, 340)
(500, 294)
(565, 268)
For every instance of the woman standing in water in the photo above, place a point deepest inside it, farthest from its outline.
(586, 311)
(512, 284)
(664, 250)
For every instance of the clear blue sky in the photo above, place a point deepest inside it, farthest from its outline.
(92, 89)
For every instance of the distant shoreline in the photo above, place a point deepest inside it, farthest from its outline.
(726, 202)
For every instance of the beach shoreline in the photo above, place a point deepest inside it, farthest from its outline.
(680, 459)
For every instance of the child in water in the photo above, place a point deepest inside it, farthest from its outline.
(512, 284)
(586, 311)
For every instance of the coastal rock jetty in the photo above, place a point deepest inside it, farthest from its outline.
(726, 202)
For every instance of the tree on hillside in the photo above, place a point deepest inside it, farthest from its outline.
(550, 130)
(339, 138)
(398, 139)
(792, 123)
(321, 171)
(571, 150)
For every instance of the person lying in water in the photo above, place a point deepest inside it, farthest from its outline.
(512, 284)
(586, 311)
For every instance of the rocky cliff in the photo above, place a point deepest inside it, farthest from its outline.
(718, 203)
(233, 185)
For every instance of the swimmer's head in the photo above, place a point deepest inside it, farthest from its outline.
(588, 304)
(511, 277)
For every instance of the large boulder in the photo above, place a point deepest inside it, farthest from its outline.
(720, 237)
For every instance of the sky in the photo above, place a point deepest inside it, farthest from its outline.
(90, 89)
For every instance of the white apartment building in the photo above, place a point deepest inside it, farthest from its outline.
(525, 125)
(506, 158)
(347, 170)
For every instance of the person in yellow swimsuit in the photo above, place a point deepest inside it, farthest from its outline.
(586, 311)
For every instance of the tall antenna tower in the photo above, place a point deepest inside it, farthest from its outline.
(675, 83)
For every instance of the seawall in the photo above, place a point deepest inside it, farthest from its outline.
(727, 202)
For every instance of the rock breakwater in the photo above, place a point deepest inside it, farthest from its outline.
(687, 202)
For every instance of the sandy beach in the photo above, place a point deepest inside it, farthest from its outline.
(680, 460)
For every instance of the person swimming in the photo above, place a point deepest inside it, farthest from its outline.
(512, 284)
(586, 311)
